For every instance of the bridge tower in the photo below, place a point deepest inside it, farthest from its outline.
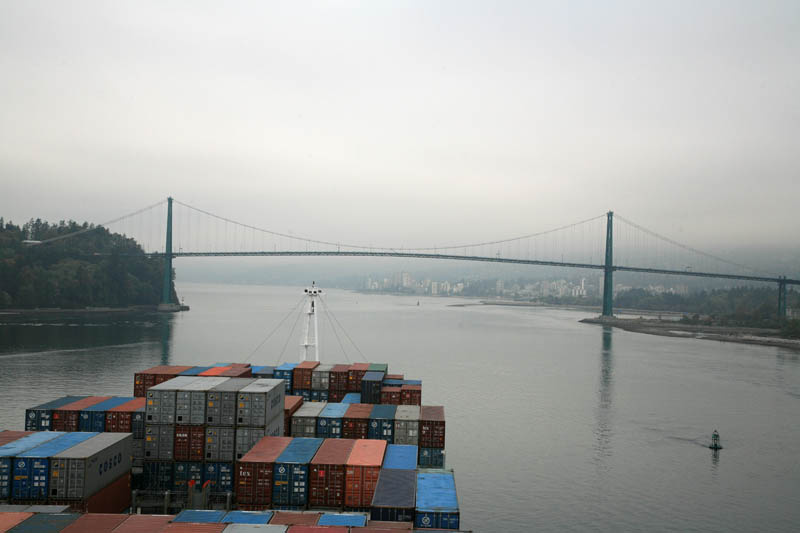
(781, 297)
(166, 293)
(608, 270)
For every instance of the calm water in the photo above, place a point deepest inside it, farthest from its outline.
(551, 424)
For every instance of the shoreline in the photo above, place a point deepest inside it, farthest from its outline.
(741, 335)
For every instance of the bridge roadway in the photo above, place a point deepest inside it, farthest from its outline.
(356, 253)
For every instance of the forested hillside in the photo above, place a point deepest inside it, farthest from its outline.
(97, 268)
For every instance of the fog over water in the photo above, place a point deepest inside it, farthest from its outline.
(552, 425)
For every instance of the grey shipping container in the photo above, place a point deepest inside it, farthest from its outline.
(304, 420)
(46, 523)
(275, 427)
(221, 401)
(220, 444)
(260, 402)
(406, 425)
(246, 438)
(84, 469)
(395, 496)
(159, 442)
(321, 377)
(137, 452)
(190, 401)
(160, 405)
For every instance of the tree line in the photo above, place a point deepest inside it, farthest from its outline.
(95, 269)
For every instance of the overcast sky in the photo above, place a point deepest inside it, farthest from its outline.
(408, 123)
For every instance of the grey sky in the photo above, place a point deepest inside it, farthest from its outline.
(403, 123)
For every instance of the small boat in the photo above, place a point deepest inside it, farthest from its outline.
(715, 444)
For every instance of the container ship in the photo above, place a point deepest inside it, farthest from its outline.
(298, 447)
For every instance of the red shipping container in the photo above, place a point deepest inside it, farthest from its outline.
(338, 380)
(118, 419)
(290, 405)
(431, 426)
(144, 523)
(254, 471)
(189, 443)
(411, 395)
(193, 527)
(153, 376)
(354, 375)
(301, 375)
(355, 422)
(317, 529)
(362, 472)
(394, 376)
(238, 371)
(95, 523)
(377, 526)
(10, 436)
(300, 519)
(326, 474)
(390, 395)
(67, 417)
(336, 396)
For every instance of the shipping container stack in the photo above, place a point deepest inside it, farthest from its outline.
(197, 426)
(431, 436)
(82, 471)
(153, 376)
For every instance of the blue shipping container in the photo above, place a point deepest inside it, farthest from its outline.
(305, 393)
(186, 471)
(32, 467)
(262, 371)
(220, 475)
(12, 449)
(381, 423)
(352, 397)
(342, 519)
(247, 517)
(157, 476)
(400, 382)
(290, 474)
(319, 396)
(40, 418)
(195, 370)
(437, 504)
(371, 387)
(329, 422)
(285, 372)
(93, 418)
(400, 457)
(431, 458)
(199, 516)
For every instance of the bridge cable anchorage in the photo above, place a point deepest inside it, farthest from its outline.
(291, 333)
(325, 306)
(693, 250)
(336, 334)
(104, 224)
(271, 333)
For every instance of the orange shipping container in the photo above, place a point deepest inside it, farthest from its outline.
(362, 471)
(215, 371)
(95, 523)
(301, 375)
(326, 476)
(355, 422)
(143, 523)
(9, 520)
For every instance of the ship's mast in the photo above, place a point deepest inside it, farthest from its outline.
(310, 340)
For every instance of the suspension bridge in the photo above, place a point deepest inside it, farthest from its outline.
(172, 229)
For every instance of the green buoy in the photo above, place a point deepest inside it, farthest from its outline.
(715, 445)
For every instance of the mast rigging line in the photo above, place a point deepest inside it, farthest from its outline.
(325, 307)
(271, 333)
(296, 320)
(335, 333)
